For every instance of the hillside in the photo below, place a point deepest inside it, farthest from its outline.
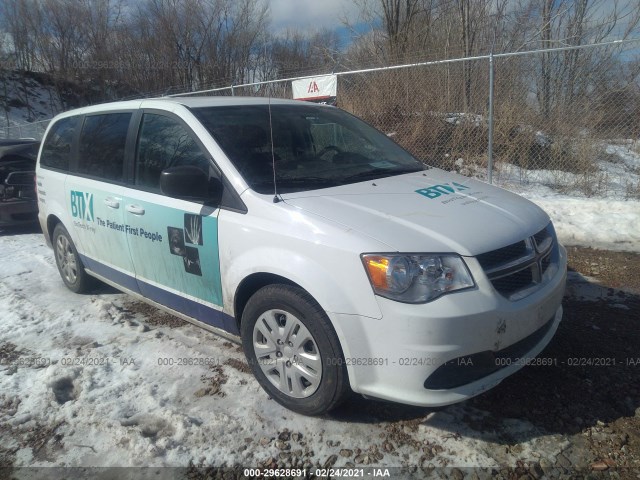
(29, 99)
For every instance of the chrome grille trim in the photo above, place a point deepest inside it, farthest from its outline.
(540, 251)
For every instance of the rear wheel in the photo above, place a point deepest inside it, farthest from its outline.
(68, 261)
(293, 350)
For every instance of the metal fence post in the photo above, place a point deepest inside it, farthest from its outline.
(232, 92)
(490, 144)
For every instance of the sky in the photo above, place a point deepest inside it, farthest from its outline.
(311, 14)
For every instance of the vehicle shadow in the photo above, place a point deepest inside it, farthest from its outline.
(593, 377)
(20, 229)
(102, 288)
(358, 409)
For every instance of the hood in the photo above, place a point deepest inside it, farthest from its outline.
(429, 211)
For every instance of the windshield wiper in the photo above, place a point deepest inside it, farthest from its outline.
(379, 173)
(305, 180)
(297, 183)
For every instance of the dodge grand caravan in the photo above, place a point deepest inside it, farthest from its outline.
(338, 260)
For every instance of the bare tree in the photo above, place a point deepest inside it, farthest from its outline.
(565, 79)
(545, 91)
(399, 17)
(17, 15)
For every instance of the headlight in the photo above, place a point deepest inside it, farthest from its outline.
(416, 278)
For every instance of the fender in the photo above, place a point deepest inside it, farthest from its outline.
(316, 278)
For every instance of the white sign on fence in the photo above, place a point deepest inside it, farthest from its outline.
(318, 89)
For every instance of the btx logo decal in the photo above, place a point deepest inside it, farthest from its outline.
(82, 205)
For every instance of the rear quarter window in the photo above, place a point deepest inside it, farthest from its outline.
(56, 150)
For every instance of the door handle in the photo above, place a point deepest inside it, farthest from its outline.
(135, 209)
(111, 202)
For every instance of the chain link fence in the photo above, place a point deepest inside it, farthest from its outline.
(34, 130)
(560, 121)
(548, 121)
(569, 124)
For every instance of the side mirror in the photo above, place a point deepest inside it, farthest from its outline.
(189, 183)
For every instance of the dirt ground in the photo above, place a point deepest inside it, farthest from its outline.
(592, 394)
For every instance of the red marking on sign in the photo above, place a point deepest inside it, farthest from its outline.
(313, 87)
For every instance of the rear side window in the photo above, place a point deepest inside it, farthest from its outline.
(56, 150)
(102, 145)
(165, 142)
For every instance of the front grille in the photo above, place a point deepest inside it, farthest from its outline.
(502, 255)
(514, 282)
(545, 263)
(518, 270)
(541, 237)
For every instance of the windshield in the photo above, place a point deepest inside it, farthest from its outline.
(313, 146)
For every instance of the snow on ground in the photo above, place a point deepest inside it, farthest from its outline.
(105, 395)
(607, 218)
(594, 222)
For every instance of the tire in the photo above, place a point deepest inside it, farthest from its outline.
(68, 261)
(293, 350)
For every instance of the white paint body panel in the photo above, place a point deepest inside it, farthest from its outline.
(315, 239)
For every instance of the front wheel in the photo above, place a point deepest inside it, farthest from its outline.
(293, 350)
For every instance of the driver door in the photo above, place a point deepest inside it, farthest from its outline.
(173, 242)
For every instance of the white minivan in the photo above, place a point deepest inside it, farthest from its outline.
(338, 260)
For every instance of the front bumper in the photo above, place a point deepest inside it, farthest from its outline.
(429, 355)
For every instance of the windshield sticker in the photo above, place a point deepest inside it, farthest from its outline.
(382, 164)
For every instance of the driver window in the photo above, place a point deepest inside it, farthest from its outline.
(162, 143)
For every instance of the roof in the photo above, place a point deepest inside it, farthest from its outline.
(204, 101)
(190, 102)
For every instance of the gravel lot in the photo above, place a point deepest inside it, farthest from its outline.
(586, 399)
